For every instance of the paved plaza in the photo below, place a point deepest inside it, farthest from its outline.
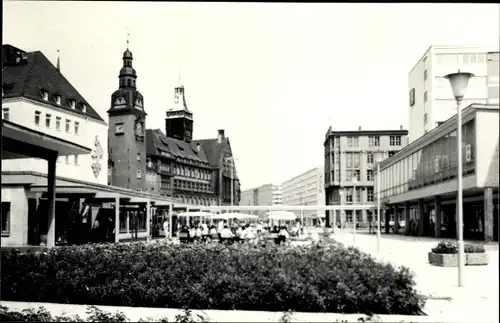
(476, 302)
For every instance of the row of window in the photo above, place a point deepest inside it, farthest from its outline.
(57, 100)
(195, 200)
(464, 59)
(191, 186)
(349, 196)
(373, 141)
(48, 122)
(68, 159)
(434, 163)
(192, 172)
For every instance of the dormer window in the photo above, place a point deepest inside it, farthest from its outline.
(45, 95)
(72, 104)
(84, 108)
(57, 99)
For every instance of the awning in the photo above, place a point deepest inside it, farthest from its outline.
(22, 142)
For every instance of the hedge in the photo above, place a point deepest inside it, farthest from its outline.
(244, 277)
(445, 247)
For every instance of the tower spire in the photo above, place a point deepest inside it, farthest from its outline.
(58, 61)
(128, 37)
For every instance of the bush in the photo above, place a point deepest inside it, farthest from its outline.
(245, 277)
(445, 247)
(93, 315)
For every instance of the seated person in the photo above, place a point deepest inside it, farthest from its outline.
(283, 235)
(238, 233)
(184, 234)
(248, 233)
(226, 233)
(260, 228)
(192, 232)
(213, 230)
(198, 233)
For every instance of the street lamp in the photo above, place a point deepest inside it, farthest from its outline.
(378, 160)
(232, 159)
(459, 82)
(354, 181)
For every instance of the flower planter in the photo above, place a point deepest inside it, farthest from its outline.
(451, 260)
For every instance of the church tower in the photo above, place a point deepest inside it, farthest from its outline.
(179, 121)
(126, 133)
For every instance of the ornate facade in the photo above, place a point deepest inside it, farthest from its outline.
(169, 163)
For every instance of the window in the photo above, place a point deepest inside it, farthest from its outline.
(395, 140)
(425, 96)
(72, 104)
(348, 175)
(348, 161)
(77, 125)
(412, 97)
(348, 195)
(68, 124)
(369, 194)
(358, 216)
(355, 175)
(374, 141)
(58, 99)
(129, 82)
(138, 157)
(5, 114)
(356, 160)
(76, 160)
(47, 120)
(119, 128)
(5, 218)
(37, 117)
(58, 123)
(425, 118)
(369, 175)
(348, 216)
(425, 75)
(139, 174)
(369, 158)
(45, 95)
(84, 108)
(352, 141)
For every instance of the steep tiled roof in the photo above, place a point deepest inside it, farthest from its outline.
(35, 73)
(156, 141)
(213, 149)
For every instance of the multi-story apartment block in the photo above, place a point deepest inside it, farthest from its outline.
(277, 195)
(431, 100)
(305, 189)
(350, 162)
(493, 78)
(262, 195)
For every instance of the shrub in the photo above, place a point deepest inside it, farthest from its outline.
(445, 247)
(245, 277)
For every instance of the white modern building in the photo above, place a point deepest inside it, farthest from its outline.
(306, 189)
(431, 100)
(277, 195)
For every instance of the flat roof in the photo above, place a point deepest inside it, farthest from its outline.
(433, 135)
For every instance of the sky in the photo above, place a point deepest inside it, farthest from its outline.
(273, 76)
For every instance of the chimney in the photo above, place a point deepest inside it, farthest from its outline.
(198, 147)
(58, 62)
(401, 127)
(220, 137)
(359, 128)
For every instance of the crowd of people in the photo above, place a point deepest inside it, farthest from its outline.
(236, 231)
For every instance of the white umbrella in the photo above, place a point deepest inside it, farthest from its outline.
(234, 215)
(282, 215)
(197, 213)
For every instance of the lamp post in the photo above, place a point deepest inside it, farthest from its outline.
(354, 181)
(378, 160)
(459, 82)
(232, 159)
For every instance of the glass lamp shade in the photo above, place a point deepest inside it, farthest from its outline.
(459, 82)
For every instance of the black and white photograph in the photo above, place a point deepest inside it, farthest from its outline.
(250, 162)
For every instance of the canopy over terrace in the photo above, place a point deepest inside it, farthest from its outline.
(97, 194)
(21, 142)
